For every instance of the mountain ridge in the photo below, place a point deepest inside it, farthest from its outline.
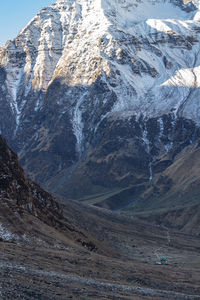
(30, 215)
(96, 98)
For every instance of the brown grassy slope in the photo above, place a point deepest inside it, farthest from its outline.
(83, 252)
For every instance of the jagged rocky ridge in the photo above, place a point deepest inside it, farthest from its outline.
(102, 94)
(28, 214)
(18, 194)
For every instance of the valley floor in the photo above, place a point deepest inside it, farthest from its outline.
(128, 270)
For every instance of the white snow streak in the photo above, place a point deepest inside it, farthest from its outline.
(77, 122)
(6, 235)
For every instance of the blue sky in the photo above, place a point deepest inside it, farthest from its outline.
(15, 14)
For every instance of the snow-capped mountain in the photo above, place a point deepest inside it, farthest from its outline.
(103, 93)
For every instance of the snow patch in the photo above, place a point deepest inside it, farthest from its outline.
(77, 122)
(14, 77)
(6, 235)
(127, 13)
(147, 145)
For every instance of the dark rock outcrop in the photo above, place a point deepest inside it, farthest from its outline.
(25, 207)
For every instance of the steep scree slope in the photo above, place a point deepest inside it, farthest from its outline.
(30, 215)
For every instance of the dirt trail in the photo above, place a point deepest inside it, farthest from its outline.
(158, 253)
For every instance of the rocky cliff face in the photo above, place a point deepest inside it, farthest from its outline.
(30, 215)
(18, 194)
(102, 94)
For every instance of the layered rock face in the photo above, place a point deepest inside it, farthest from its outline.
(102, 94)
(14, 184)
(30, 215)
(20, 196)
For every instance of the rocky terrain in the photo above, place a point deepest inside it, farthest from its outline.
(27, 213)
(101, 96)
(83, 252)
(100, 99)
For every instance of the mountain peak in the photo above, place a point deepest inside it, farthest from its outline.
(82, 66)
(139, 11)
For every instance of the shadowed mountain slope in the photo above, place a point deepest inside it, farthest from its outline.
(27, 212)
(82, 252)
